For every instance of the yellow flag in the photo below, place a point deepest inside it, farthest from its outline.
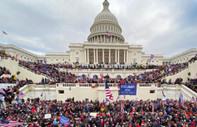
(14, 77)
(6, 53)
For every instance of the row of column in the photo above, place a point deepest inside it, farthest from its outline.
(96, 56)
(105, 38)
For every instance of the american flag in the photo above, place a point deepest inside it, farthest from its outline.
(12, 124)
(17, 82)
(151, 57)
(108, 91)
(108, 33)
(22, 95)
(4, 33)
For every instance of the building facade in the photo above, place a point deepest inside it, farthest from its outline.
(104, 45)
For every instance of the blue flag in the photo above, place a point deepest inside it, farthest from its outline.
(180, 97)
(169, 108)
(64, 120)
(107, 99)
(47, 107)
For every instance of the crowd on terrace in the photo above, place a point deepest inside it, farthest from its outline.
(5, 71)
(192, 84)
(120, 113)
(52, 71)
(66, 77)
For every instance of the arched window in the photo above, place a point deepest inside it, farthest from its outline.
(118, 77)
(77, 59)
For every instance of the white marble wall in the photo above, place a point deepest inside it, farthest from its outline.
(82, 92)
(47, 95)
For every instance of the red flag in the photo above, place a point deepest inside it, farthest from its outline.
(101, 76)
(4, 33)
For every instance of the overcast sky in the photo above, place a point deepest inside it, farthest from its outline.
(163, 27)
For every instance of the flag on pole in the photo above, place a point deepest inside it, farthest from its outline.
(6, 53)
(108, 92)
(22, 95)
(64, 120)
(107, 99)
(117, 98)
(151, 57)
(153, 106)
(4, 33)
(180, 97)
(16, 57)
(17, 82)
(108, 33)
(122, 107)
(101, 76)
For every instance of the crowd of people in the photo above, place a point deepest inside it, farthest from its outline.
(5, 71)
(10, 93)
(193, 59)
(192, 84)
(107, 66)
(54, 75)
(120, 113)
(52, 71)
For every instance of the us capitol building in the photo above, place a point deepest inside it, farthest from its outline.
(104, 45)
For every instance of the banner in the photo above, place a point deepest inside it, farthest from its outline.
(128, 89)
(47, 116)
(6, 85)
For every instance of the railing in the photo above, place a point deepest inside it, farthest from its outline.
(99, 85)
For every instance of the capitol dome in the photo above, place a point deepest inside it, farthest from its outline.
(105, 28)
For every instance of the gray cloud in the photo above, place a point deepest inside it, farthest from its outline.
(162, 27)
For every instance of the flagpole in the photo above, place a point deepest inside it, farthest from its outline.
(2, 38)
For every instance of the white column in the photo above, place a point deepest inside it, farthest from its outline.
(104, 38)
(88, 56)
(124, 56)
(127, 56)
(103, 57)
(109, 55)
(85, 56)
(118, 56)
(115, 55)
(94, 56)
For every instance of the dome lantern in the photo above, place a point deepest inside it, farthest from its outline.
(105, 5)
(105, 22)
